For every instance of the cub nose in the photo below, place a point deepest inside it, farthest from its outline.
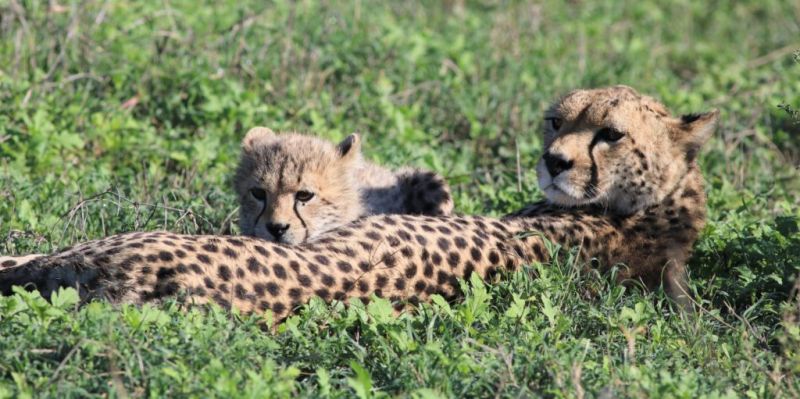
(277, 229)
(556, 164)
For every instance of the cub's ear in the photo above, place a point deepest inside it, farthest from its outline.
(350, 147)
(694, 130)
(257, 136)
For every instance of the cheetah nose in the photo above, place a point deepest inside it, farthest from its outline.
(277, 229)
(555, 164)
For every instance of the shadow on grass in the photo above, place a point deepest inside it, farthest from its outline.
(754, 266)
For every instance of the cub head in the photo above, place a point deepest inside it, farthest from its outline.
(293, 187)
(616, 148)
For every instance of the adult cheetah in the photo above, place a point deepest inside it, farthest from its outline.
(294, 187)
(622, 184)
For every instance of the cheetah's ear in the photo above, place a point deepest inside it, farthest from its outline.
(694, 130)
(257, 136)
(350, 147)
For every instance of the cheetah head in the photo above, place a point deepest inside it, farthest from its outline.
(294, 187)
(616, 148)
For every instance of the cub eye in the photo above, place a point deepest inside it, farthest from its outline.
(304, 196)
(609, 134)
(555, 123)
(258, 193)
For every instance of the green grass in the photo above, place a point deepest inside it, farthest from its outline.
(119, 116)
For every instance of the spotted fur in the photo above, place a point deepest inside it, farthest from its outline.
(12, 261)
(408, 258)
(293, 187)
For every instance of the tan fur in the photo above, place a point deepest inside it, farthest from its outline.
(631, 174)
(11, 261)
(409, 258)
(344, 186)
(648, 177)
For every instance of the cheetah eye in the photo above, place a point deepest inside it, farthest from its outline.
(555, 123)
(258, 193)
(609, 134)
(304, 196)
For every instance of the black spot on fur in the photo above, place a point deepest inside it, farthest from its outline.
(344, 233)
(441, 277)
(453, 258)
(280, 252)
(224, 272)
(165, 272)
(229, 252)
(165, 256)
(344, 266)
(468, 269)
(261, 250)
(239, 291)
(279, 270)
(348, 285)
(259, 289)
(428, 271)
(389, 260)
(278, 308)
(364, 266)
(304, 280)
(322, 259)
(130, 261)
(253, 265)
(389, 221)
(476, 254)
(323, 293)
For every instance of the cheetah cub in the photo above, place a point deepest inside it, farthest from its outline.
(294, 187)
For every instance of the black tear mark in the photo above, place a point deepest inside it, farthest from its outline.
(302, 221)
(591, 186)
